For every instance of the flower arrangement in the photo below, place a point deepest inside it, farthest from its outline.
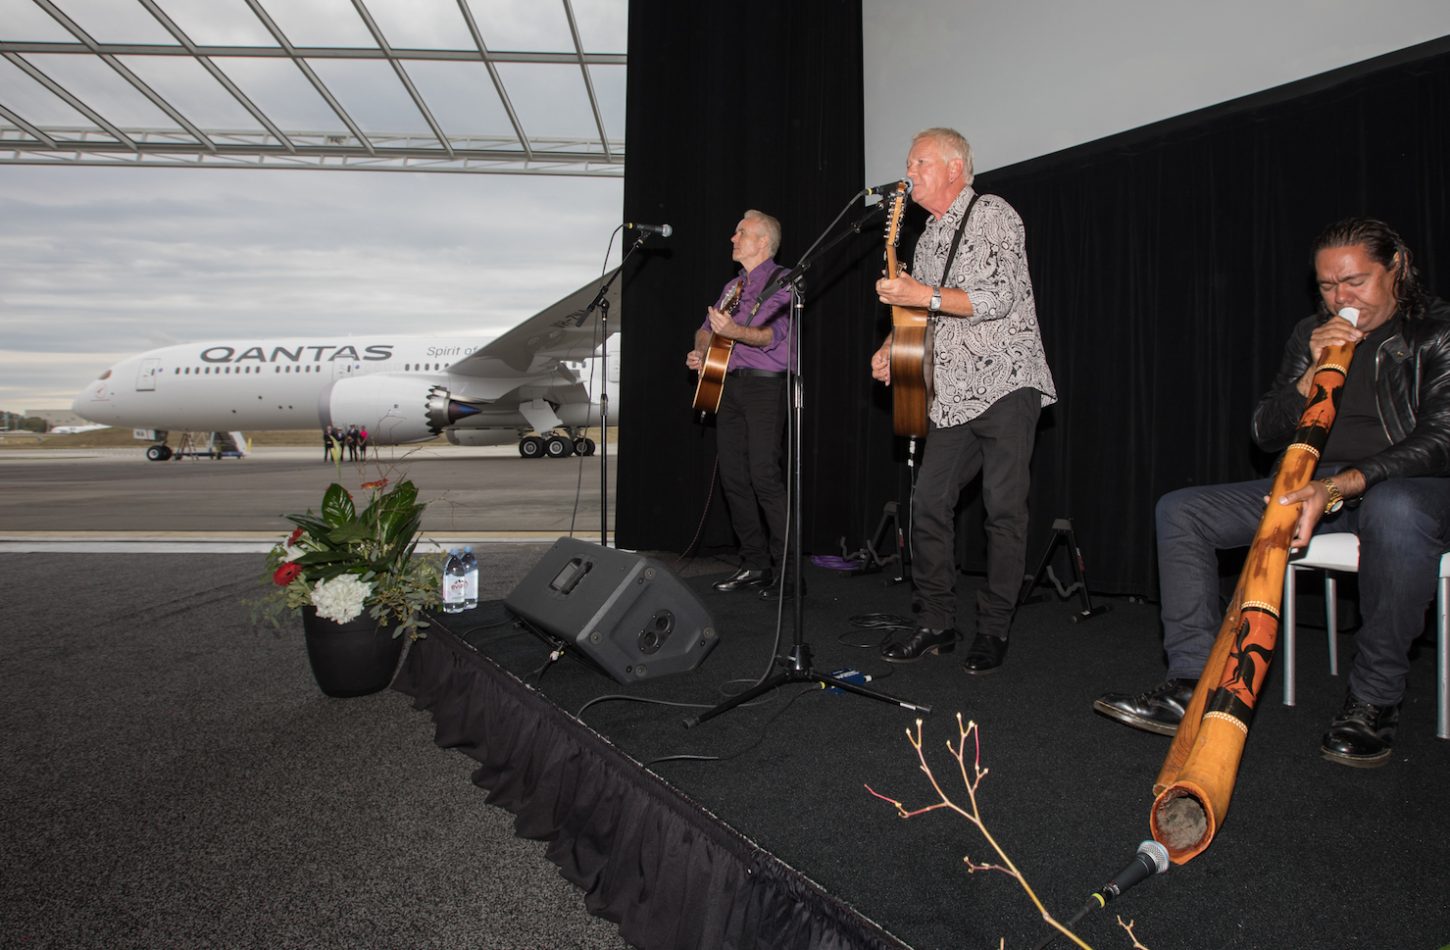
(344, 561)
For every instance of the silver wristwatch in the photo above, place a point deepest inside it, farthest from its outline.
(935, 305)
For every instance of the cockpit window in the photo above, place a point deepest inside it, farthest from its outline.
(105, 375)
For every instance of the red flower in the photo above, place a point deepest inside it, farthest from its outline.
(380, 483)
(286, 574)
(295, 536)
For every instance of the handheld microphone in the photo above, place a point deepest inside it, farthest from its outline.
(1151, 859)
(889, 187)
(663, 230)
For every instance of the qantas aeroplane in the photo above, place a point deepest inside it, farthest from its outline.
(532, 384)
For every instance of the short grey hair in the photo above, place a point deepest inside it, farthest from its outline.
(953, 144)
(770, 225)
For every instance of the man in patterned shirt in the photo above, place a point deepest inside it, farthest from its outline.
(751, 419)
(990, 383)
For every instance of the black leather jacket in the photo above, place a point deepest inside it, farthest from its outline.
(1412, 390)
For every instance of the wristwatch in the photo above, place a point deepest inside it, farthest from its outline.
(935, 305)
(1336, 497)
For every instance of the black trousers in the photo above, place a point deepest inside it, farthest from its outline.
(998, 444)
(748, 431)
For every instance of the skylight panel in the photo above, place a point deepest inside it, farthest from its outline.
(193, 92)
(462, 98)
(542, 28)
(320, 23)
(550, 100)
(115, 21)
(373, 95)
(103, 89)
(217, 22)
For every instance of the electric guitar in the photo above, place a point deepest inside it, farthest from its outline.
(711, 384)
(911, 340)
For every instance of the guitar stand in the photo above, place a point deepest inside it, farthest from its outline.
(1062, 532)
(890, 521)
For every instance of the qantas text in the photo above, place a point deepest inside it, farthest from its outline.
(312, 353)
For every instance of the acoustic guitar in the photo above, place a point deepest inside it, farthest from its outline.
(911, 340)
(711, 384)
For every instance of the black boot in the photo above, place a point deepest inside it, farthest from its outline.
(922, 641)
(745, 579)
(776, 591)
(1362, 735)
(1159, 710)
(986, 654)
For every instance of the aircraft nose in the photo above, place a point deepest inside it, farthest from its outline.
(91, 402)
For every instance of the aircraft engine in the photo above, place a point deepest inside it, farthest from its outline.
(499, 436)
(395, 409)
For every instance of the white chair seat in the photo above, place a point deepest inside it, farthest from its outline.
(1442, 650)
(1339, 553)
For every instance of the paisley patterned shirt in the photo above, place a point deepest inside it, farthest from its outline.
(999, 349)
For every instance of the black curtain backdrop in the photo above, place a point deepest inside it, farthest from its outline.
(1169, 263)
(747, 105)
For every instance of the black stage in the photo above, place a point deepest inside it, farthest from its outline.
(779, 844)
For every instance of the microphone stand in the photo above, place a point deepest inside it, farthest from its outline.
(601, 303)
(797, 664)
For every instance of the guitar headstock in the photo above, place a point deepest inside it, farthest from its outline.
(731, 302)
(895, 211)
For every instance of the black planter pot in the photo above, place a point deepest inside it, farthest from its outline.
(350, 659)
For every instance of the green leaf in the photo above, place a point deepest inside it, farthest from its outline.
(337, 506)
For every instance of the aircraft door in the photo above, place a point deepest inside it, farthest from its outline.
(341, 369)
(146, 376)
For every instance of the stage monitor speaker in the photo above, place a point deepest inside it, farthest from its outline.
(626, 613)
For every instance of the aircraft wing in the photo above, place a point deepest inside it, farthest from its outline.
(535, 347)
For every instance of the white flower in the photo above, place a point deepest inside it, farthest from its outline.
(340, 599)
(290, 553)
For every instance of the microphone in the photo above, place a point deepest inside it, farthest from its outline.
(1151, 859)
(889, 187)
(663, 230)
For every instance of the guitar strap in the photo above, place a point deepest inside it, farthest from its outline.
(754, 311)
(956, 241)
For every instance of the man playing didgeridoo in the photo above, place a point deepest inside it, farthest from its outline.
(1382, 476)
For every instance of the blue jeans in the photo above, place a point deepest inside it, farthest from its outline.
(1403, 526)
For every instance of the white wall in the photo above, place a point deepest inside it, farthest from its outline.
(1022, 78)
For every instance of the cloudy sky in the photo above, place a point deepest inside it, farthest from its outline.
(97, 263)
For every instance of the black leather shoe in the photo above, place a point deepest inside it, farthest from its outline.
(774, 592)
(1362, 734)
(1159, 710)
(745, 579)
(986, 654)
(922, 641)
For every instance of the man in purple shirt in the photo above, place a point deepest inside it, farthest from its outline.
(751, 417)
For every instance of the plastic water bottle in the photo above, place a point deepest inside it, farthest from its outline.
(470, 576)
(455, 583)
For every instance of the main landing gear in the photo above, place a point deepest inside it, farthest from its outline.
(555, 445)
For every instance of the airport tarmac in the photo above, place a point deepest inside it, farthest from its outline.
(114, 499)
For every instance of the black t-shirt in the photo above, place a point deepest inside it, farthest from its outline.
(1358, 431)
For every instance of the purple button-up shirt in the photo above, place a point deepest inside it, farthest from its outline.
(773, 315)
